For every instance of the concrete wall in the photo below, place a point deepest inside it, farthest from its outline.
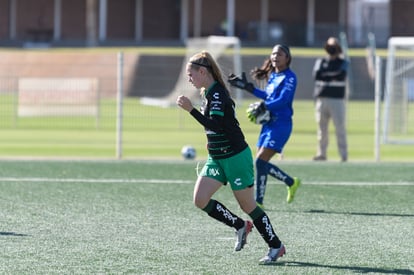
(155, 76)
(151, 75)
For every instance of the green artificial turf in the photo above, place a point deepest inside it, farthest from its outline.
(137, 217)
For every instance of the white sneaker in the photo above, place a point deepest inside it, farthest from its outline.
(273, 254)
(242, 235)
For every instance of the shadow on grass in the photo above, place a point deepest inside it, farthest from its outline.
(319, 211)
(356, 269)
(14, 234)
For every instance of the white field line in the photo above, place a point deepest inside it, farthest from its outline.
(97, 180)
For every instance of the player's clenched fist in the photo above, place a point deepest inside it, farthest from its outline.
(185, 103)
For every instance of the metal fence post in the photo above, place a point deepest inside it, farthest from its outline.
(119, 105)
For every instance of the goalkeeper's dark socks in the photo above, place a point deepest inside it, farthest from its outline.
(275, 172)
(263, 225)
(219, 212)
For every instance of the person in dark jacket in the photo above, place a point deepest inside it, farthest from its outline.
(330, 75)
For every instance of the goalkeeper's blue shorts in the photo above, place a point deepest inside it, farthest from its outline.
(275, 135)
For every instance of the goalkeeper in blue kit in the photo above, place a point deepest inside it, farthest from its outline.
(274, 112)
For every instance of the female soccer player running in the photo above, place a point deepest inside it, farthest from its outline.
(277, 99)
(229, 157)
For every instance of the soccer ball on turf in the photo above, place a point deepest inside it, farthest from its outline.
(188, 152)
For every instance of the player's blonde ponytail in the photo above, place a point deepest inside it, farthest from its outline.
(204, 59)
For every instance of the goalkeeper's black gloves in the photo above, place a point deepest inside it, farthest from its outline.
(241, 82)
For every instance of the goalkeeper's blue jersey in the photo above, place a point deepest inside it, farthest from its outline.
(279, 94)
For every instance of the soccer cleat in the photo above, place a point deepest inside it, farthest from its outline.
(242, 235)
(273, 254)
(292, 190)
(319, 158)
